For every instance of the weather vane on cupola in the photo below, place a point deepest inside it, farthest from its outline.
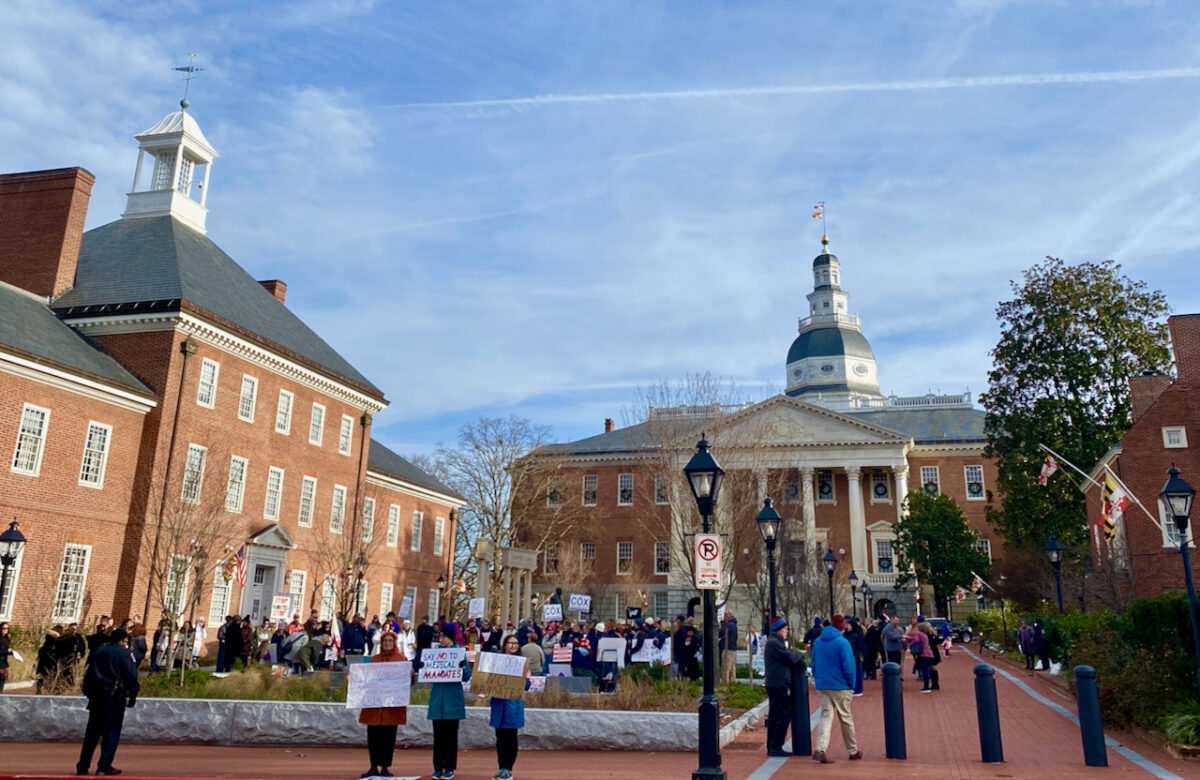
(191, 69)
(819, 213)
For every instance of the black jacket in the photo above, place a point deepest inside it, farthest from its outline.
(111, 676)
(779, 661)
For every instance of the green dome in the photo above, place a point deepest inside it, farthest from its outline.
(825, 258)
(830, 342)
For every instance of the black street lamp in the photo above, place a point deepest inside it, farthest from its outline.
(1054, 551)
(830, 561)
(854, 589)
(704, 477)
(361, 563)
(768, 525)
(11, 542)
(867, 594)
(1176, 497)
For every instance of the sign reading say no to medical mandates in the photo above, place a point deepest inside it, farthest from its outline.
(707, 564)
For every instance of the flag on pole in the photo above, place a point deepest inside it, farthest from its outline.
(1114, 500)
(1048, 469)
(240, 566)
(335, 632)
(227, 567)
(977, 583)
(960, 594)
(819, 211)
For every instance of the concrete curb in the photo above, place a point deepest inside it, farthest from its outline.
(747, 719)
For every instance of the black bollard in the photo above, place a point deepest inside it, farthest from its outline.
(1091, 725)
(989, 715)
(893, 712)
(801, 733)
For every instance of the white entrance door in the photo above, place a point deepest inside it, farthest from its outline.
(261, 591)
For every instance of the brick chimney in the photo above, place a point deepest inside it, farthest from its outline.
(276, 288)
(1185, 342)
(608, 425)
(41, 227)
(1144, 390)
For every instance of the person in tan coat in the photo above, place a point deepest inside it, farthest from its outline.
(382, 722)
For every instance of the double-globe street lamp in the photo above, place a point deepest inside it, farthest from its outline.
(1054, 551)
(853, 578)
(11, 542)
(768, 526)
(830, 561)
(704, 477)
(867, 593)
(1176, 497)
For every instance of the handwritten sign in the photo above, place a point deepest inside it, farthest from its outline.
(475, 608)
(649, 654)
(551, 612)
(281, 607)
(379, 685)
(442, 664)
(561, 655)
(537, 684)
(580, 603)
(406, 605)
(499, 675)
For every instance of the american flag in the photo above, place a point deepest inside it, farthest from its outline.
(240, 566)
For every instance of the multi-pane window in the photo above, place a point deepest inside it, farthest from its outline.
(72, 577)
(435, 602)
(386, 591)
(360, 597)
(825, 486)
(589, 489)
(929, 480)
(439, 534)
(316, 425)
(553, 492)
(219, 607)
(337, 514)
(393, 531)
(346, 435)
(974, 475)
(9, 586)
(174, 597)
(328, 597)
(410, 593)
(624, 557)
(885, 561)
(662, 557)
(880, 489)
(791, 489)
(235, 487)
(550, 559)
(297, 580)
(193, 473)
(206, 390)
(618, 606)
(308, 499)
(247, 398)
(985, 546)
(587, 555)
(31, 437)
(624, 489)
(283, 413)
(274, 493)
(660, 489)
(418, 521)
(662, 604)
(95, 455)
(368, 519)
(1174, 437)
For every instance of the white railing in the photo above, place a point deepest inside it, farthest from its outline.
(824, 319)
(882, 580)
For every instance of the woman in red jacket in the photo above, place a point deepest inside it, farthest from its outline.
(382, 721)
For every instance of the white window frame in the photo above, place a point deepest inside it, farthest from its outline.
(387, 594)
(594, 479)
(283, 412)
(618, 606)
(985, 547)
(22, 437)
(1166, 522)
(360, 597)
(880, 477)
(308, 501)
(819, 477)
(931, 474)
(624, 555)
(218, 605)
(662, 604)
(662, 552)
(1170, 430)
(393, 529)
(587, 562)
(235, 493)
(439, 535)
(967, 481)
(99, 461)
(890, 540)
(301, 575)
(10, 583)
(662, 496)
(206, 389)
(625, 483)
(337, 510)
(435, 603)
(368, 519)
(316, 424)
(272, 512)
(418, 523)
(411, 593)
(553, 492)
(550, 554)
(247, 399)
(328, 606)
(176, 563)
(346, 435)
(60, 614)
(193, 486)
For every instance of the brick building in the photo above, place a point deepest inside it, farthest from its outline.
(1164, 432)
(165, 410)
(835, 454)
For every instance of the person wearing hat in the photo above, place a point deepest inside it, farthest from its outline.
(779, 661)
(834, 674)
(110, 685)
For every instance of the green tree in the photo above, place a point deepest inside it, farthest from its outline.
(935, 543)
(1071, 338)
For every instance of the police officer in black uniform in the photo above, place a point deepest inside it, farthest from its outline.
(111, 685)
(779, 661)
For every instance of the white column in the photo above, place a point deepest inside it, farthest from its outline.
(204, 187)
(901, 473)
(137, 178)
(506, 609)
(527, 595)
(858, 521)
(808, 509)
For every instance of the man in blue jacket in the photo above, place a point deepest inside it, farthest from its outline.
(833, 672)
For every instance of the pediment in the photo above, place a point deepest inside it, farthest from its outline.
(273, 536)
(881, 527)
(783, 421)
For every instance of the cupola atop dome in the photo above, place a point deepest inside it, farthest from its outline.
(178, 183)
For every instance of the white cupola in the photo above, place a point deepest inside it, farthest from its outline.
(178, 183)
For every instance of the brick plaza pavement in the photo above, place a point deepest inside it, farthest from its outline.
(942, 732)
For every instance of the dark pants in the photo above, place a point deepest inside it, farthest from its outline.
(895, 657)
(506, 748)
(933, 679)
(923, 667)
(105, 718)
(1030, 659)
(870, 661)
(1045, 661)
(445, 745)
(381, 745)
(221, 656)
(779, 716)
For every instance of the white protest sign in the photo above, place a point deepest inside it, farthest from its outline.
(707, 567)
(580, 603)
(406, 604)
(379, 685)
(561, 655)
(611, 649)
(281, 607)
(475, 608)
(649, 654)
(442, 664)
(499, 663)
(551, 612)
(537, 684)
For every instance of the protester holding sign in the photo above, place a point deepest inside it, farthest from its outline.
(382, 722)
(508, 717)
(447, 707)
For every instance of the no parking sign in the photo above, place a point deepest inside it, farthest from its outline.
(707, 566)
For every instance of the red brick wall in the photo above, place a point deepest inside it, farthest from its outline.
(1185, 342)
(41, 226)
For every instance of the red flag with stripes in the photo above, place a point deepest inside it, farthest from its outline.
(240, 566)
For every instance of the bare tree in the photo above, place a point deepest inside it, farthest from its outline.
(346, 560)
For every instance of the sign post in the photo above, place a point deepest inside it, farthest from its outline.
(707, 568)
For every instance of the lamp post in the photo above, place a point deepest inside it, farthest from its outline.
(1054, 551)
(768, 526)
(360, 569)
(704, 477)
(865, 589)
(854, 589)
(830, 561)
(11, 542)
(441, 587)
(1176, 497)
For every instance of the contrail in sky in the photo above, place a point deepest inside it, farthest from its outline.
(1029, 79)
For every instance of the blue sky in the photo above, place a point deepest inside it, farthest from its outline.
(476, 251)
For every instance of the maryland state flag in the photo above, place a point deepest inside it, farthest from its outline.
(1048, 469)
(960, 594)
(1114, 500)
(977, 583)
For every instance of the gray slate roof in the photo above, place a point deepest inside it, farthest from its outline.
(28, 327)
(930, 426)
(385, 461)
(153, 264)
(832, 341)
(635, 438)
